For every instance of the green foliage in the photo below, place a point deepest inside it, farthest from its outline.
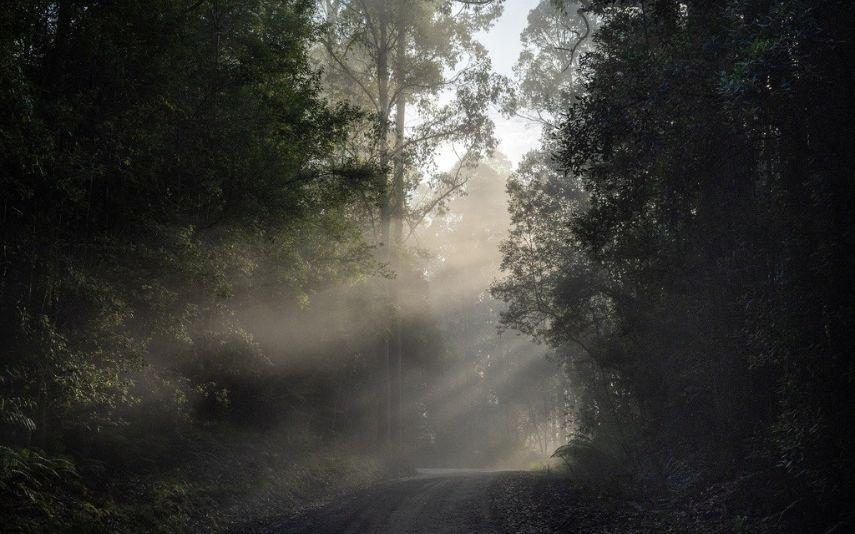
(161, 164)
(43, 492)
(714, 247)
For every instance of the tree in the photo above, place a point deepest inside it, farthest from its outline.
(557, 35)
(708, 139)
(159, 159)
(552, 291)
(389, 57)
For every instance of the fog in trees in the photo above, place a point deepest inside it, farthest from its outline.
(283, 266)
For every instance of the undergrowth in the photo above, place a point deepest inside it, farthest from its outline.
(215, 482)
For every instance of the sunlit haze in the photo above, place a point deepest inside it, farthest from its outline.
(284, 266)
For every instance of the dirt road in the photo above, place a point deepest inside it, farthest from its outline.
(435, 501)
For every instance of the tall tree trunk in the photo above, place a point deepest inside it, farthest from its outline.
(398, 225)
(385, 219)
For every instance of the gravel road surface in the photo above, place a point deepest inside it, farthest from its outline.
(435, 501)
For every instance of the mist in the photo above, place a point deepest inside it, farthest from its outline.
(426, 266)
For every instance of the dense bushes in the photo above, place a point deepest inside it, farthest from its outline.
(160, 163)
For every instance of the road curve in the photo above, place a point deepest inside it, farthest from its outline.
(435, 501)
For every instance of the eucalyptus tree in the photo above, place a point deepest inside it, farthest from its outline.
(553, 42)
(540, 193)
(419, 71)
(552, 291)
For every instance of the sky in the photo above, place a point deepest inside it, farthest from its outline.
(516, 136)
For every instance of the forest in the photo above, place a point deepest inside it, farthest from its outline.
(523, 266)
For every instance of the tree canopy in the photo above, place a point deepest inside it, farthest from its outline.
(689, 237)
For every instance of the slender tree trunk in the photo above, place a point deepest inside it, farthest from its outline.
(385, 219)
(397, 223)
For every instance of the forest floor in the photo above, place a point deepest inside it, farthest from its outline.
(479, 502)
